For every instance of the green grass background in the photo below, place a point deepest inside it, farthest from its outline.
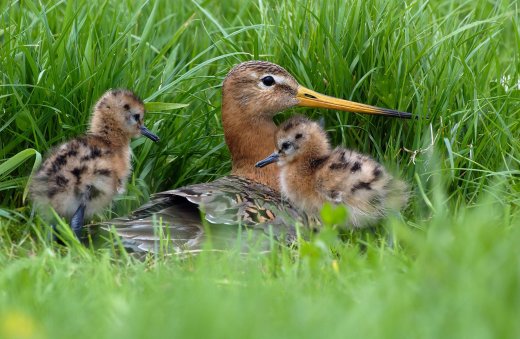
(449, 268)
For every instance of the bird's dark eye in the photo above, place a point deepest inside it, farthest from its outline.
(298, 136)
(137, 117)
(268, 80)
(126, 107)
(286, 145)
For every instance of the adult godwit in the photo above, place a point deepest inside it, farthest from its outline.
(252, 94)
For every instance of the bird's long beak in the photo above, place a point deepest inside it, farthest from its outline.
(309, 98)
(269, 160)
(147, 133)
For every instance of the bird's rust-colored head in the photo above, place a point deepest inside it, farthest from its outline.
(252, 93)
(118, 115)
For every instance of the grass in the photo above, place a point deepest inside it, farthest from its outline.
(449, 268)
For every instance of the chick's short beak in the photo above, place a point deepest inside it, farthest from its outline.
(147, 133)
(269, 160)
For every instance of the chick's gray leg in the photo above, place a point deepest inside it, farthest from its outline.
(76, 223)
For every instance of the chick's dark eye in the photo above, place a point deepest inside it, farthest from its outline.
(298, 136)
(286, 145)
(268, 80)
(137, 117)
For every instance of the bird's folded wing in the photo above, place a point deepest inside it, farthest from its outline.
(229, 209)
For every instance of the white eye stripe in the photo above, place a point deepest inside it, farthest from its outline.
(278, 80)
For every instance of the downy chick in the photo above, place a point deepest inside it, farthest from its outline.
(79, 178)
(311, 173)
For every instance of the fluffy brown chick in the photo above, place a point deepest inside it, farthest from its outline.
(80, 177)
(311, 173)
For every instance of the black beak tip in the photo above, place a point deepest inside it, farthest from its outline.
(154, 138)
(147, 133)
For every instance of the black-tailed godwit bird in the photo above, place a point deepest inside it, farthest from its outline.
(80, 177)
(311, 174)
(252, 94)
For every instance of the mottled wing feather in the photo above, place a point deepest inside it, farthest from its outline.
(225, 204)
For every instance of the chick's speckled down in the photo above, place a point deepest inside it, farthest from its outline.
(89, 170)
(311, 173)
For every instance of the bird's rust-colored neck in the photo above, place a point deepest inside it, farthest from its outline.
(250, 138)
